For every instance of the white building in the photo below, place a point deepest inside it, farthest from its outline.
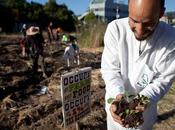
(164, 19)
(108, 10)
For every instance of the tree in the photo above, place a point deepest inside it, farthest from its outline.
(15, 12)
(7, 19)
(90, 18)
(60, 15)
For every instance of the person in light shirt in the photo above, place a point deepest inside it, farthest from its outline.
(138, 58)
(71, 52)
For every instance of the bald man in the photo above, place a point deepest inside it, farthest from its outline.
(138, 58)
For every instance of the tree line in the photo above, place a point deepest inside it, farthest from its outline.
(14, 12)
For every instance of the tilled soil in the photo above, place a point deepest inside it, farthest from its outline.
(23, 107)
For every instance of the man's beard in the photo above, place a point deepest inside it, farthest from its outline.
(144, 36)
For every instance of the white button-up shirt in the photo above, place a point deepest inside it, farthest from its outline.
(150, 74)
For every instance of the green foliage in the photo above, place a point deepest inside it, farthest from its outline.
(50, 8)
(19, 11)
(7, 19)
(131, 111)
(90, 18)
(35, 12)
(143, 100)
(110, 100)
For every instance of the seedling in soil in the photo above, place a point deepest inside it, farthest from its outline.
(127, 110)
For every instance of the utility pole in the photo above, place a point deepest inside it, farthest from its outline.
(117, 10)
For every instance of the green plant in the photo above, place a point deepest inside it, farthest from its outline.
(127, 109)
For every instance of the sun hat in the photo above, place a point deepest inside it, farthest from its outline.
(32, 30)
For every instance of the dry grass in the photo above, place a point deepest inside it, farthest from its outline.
(92, 36)
(166, 112)
(10, 36)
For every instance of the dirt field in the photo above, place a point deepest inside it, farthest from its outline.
(23, 107)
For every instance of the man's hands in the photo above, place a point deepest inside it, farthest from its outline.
(128, 114)
(113, 109)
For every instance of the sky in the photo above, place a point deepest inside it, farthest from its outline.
(80, 6)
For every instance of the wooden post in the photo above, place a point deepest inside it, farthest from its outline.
(77, 126)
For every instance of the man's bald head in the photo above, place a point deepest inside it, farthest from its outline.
(162, 3)
(146, 7)
(144, 16)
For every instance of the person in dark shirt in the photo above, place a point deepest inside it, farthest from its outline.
(35, 41)
(58, 33)
(50, 32)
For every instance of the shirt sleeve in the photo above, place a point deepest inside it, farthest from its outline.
(110, 66)
(163, 79)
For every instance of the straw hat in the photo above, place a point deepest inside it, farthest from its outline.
(32, 30)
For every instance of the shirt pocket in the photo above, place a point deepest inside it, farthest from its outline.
(145, 77)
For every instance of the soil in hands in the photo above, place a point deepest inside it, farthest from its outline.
(127, 110)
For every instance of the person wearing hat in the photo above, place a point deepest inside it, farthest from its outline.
(36, 40)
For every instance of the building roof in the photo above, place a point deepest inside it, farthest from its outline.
(97, 1)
